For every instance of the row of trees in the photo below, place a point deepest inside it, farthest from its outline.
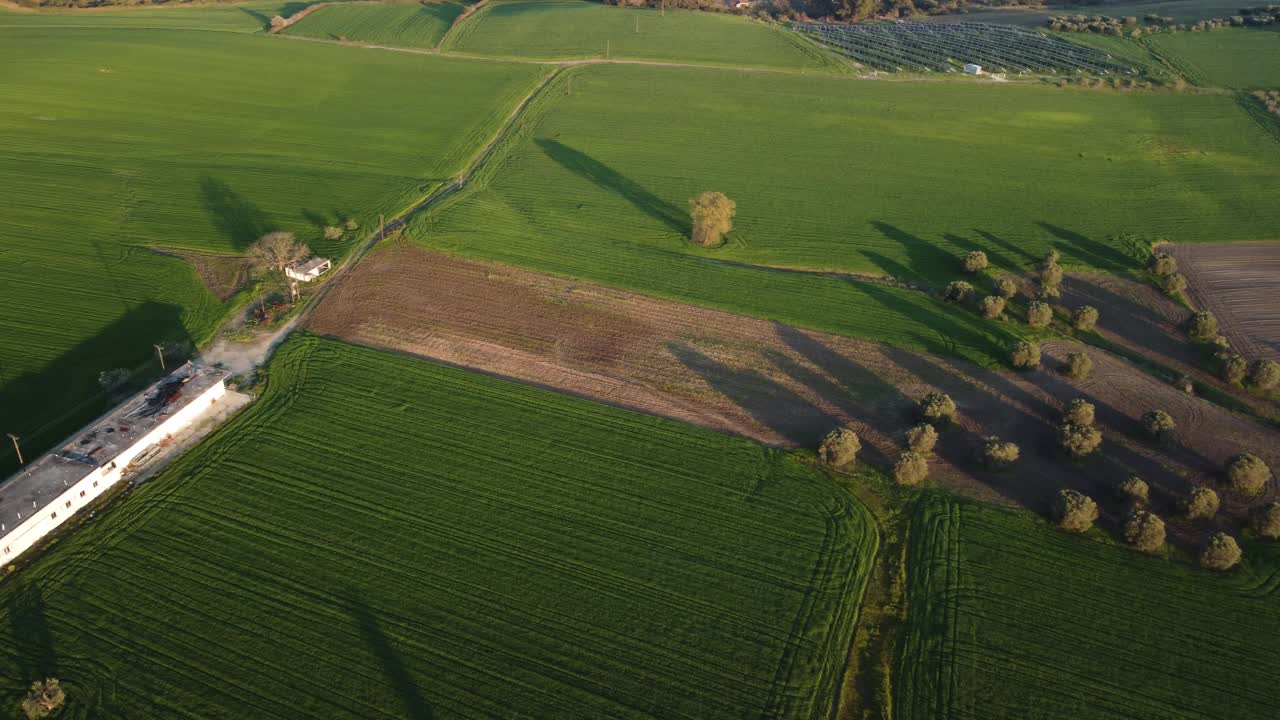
(1130, 26)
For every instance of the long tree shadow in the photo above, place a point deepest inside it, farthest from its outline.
(606, 177)
(33, 651)
(1026, 258)
(236, 217)
(926, 260)
(1097, 254)
(416, 705)
(261, 17)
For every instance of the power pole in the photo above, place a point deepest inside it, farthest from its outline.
(160, 354)
(637, 24)
(382, 227)
(17, 449)
(606, 49)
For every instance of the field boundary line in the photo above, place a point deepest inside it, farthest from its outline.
(466, 13)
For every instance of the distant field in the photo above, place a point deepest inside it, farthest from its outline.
(1183, 11)
(579, 29)
(245, 17)
(384, 537)
(116, 141)
(412, 24)
(1012, 619)
(1236, 58)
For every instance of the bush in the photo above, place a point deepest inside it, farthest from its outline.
(839, 448)
(1078, 412)
(351, 224)
(332, 233)
(1248, 474)
(1006, 287)
(1264, 374)
(1220, 553)
(1203, 326)
(712, 215)
(957, 291)
(922, 438)
(911, 468)
(1084, 318)
(278, 22)
(1039, 314)
(1201, 502)
(937, 408)
(1157, 424)
(1174, 284)
(992, 307)
(1024, 354)
(1074, 511)
(43, 699)
(1232, 367)
(1144, 530)
(1164, 264)
(1079, 365)
(1079, 440)
(1051, 258)
(997, 454)
(1135, 489)
(975, 261)
(1051, 276)
(1267, 521)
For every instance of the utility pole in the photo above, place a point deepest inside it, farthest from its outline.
(637, 24)
(382, 227)
(17, 449)
(606, 49)
(160, 354)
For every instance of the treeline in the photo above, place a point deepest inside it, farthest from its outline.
(104, 3)
(830, 10)
(1131, 26)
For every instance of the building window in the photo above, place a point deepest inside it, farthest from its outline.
(95, 483)
(53, 516)
(68, 503)
(82, 493)
(6, 549)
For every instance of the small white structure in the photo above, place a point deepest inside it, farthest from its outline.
(47, 492)
(973, 69)
(309, 270)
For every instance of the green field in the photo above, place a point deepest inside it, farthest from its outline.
(1010, 618)
(1235, 58)
(242, 17)
(576, 29)
(413, 24)
(117, 141)
(385, 537)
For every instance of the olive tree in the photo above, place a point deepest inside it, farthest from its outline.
(911, 468)
(1006, 287)
(1200, 503)
(1134, 489)
(1078, 412)
(1074, 511)
(1039, 314)
(1157, 424)
(922, 438)
(839, 448)
(1232, 367)
(1202, 327)
(1267, 521)
(1144, 530)
(1024, 355)
(998, 454)
(956, 291)
(44, 697)
(712, 214)
(1248, 474)
(1164, 264)
(975, 261)
(1085, 318)
(1174, 284)
(991, 307)
(1078, 366)
(1264, 374)
(1220, 553)
(1079, 440)
(936, 408)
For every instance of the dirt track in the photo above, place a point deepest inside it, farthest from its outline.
(1239, 283)
(772, 382)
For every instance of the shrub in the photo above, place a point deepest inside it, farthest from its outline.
(956, 291)
(1248, 474)
(1157, 423)
(1264, 374)
(1039, 314)
(1135, 489)
(1074, 511)
(1202, 327)
(1232, 367)
(1078, 412)
(1079, 440)
(937, 408)
(992, 307)
(1079, 365)
(998, 454)
(839, 448)
(1164, 264)
(1267, 521)
(1024, 354)
(351, 224)
(1051, 274)
(278, 22)
(1006, 287)
(332, 233)
(1220, 553)
(1144, 530)
(1201, 502)
(911, 468)
(1051, 258)
(43, 699)
(1174, 284)
(712, 214)
(975, 261)
(922, 438)
(1084, 318)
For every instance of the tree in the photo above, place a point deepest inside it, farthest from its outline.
(997, 454)
(911, 468)
(839, 448)
(43, 699)
(1039, 314)
(1202, 327)
(1157, 424)
(712, 215)
(1144, 530)
(1164, 264)
(1079, 440)
(332, 233)
(1024, 354)
(975, 261)
(278, 250)
(1201, 502)
(1074, 511)
(1051, 280)
(1084, 318)
(278, 22)
(1079, 412)
(936, 408)
(1079, 365)
(1248, 474)
(1220, 553)
(922, 438)
(1135, 489)
(991, 307)
(1051, 258)
(956, 291)
(1267, 521)
(1174, 284)
(1264, 374)
(351, 224)
(1006, 287)
(1232, 367)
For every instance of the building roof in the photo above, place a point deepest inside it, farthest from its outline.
(313, 264)
(42, 481)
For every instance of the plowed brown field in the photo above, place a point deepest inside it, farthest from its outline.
(1240, 284)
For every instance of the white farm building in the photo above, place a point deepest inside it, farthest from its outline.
(45, 493)
(309, 270)
(972, 69)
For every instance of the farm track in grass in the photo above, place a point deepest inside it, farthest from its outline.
(385, 537)
(779, 384)
(1239, 283)
(414, 24)
(125, 141)
(1010, 618)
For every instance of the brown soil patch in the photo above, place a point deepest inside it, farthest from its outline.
(1238, 283)
(221, 275)
(775, 383)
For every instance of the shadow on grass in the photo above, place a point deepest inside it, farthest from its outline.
(33, 651)
(416, 705)
(606, 177)
(236, 217)
(1094, 253)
